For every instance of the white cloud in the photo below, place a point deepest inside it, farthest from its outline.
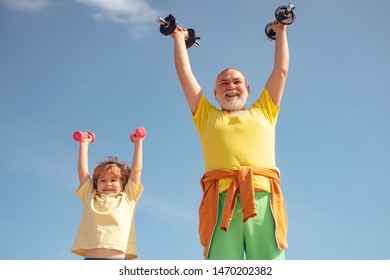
(25, 5)
(135, 15)
(122, 11)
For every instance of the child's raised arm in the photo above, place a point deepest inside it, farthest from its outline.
(136, 166)
(83, 161)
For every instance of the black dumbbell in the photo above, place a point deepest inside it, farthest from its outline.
(283, 14)
(169, 24)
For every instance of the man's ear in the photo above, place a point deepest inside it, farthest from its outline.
(215, 93)
(248, 87)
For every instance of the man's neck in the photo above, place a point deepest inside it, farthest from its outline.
(235, 112)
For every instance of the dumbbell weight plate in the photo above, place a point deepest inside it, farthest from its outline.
(170, 27)
(271, 34)
(284, 16)
(92, 136)
(191, 40)
(78, 136)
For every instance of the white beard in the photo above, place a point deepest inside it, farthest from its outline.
(236, 104)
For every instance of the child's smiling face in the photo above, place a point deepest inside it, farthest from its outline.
(109, 183)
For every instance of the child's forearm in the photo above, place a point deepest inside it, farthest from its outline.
(136, 167)
(83, 162)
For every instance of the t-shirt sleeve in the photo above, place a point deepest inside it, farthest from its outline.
(201, 114)
(133, 191)
(267, 106)
(84, 189)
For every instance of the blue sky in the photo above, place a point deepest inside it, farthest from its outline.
(103, 66)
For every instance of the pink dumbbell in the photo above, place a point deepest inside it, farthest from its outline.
(79, 135)
(140, 132)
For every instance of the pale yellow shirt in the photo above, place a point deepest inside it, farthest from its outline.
(107, 221)
(229, 142)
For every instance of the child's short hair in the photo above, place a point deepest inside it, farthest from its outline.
(119, 168)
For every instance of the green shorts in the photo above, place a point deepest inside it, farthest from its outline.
(255, 239)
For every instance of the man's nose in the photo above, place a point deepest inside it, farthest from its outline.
(231, 86)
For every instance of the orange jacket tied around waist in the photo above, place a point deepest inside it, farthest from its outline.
(242, 183)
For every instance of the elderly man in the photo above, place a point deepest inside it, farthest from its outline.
(242, 212)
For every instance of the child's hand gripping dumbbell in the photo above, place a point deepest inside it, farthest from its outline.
(79, 136)
(140, 132)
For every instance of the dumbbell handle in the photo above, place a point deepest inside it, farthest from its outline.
(78, 136)
(162, 21)
(140, 132)
(290, 8)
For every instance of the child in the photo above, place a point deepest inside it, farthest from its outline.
(109, 200)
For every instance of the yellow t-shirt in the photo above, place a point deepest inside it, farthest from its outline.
(107, 221)
(229, 142)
